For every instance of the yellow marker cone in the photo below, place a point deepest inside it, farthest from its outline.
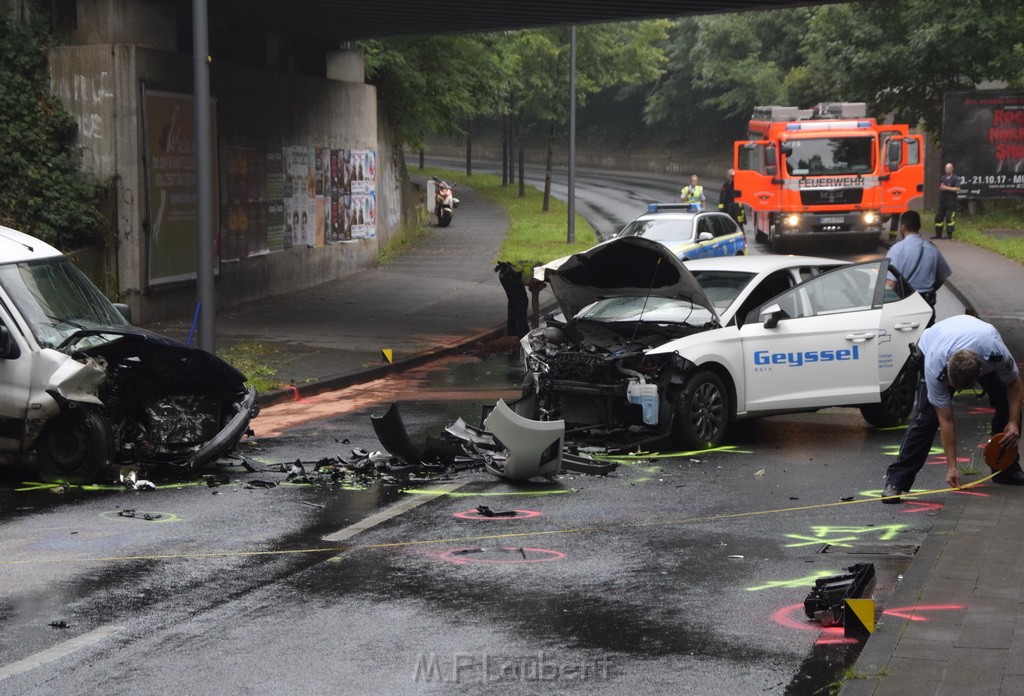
(859, 618)
(389, 355)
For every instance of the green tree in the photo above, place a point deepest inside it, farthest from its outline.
(624, 57)
(902, 57)
(899, 56)
(724, 65)
(44, 191)
(435, 84)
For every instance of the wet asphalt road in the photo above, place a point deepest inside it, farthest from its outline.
(608, 200)
(680, 574)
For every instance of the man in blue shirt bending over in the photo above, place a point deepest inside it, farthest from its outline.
(958, 352)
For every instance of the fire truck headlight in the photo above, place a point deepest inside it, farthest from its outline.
(870, 218)
(792, 221)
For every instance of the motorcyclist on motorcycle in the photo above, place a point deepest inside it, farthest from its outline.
(444, 202)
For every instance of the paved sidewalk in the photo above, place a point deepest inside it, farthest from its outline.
(972, 558)
(439, 295)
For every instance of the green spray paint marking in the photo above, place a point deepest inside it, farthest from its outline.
(27, 486)
(894, 451)
(795, 583)
(733, 449)
(823, 535)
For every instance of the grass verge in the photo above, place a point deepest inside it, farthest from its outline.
(980, 229)
(250, 360)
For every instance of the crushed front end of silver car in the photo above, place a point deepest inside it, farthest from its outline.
(166, 402)
(85, 390)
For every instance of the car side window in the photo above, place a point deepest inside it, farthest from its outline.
(704, 225)
(896, 287)
(776, 283)
(913, 152)
(847, 289)
(722, 225)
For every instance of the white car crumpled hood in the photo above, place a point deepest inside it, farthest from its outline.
(620, 267)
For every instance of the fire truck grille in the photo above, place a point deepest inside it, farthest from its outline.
(846, 196)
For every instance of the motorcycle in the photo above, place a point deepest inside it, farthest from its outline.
(444, 202)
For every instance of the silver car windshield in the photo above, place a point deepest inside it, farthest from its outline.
(659, 310)
(663, 230)
(56, 299)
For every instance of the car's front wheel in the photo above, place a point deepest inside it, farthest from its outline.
(75, 447)
(702, 412)
(896, 404)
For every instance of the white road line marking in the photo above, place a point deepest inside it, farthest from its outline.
(58, 651)
(393, 511)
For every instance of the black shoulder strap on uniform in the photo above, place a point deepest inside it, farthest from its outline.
(917, 263)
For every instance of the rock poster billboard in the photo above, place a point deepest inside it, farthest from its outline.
(983, 136)
(171, 179)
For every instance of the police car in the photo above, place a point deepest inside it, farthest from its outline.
(645, 343)
(689, 233)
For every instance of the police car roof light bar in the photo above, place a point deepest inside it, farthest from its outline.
(659, 207)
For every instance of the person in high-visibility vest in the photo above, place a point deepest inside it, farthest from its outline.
(693, 194)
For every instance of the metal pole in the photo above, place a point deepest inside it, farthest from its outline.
(571, 237)
(204, 177)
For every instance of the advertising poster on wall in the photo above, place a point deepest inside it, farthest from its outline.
(983, 136)
(364, 213)
(321, 193)
(244, 203)
(171, 181)
(363, 186)
(274, 200)
(300, 196)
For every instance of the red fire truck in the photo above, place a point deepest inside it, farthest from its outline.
(829, 173)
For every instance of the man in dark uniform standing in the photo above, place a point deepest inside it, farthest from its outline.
(949, 203)
(958, 352)
(727, 200)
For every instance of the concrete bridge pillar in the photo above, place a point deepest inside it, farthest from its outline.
(346, 65)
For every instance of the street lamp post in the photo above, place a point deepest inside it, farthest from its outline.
(571, 236)
(207, 304)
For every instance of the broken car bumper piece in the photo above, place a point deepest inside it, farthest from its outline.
(534, 447)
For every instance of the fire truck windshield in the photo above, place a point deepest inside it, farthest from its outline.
(829, 156)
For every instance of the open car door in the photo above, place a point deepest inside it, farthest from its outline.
(817, 344)
(904, 163)
(756, 165)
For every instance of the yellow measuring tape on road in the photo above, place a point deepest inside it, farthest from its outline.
(492, 537)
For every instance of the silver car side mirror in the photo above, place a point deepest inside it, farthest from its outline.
(771, 316)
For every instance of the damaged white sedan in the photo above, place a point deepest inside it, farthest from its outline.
(85, 390)
(648, 345)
